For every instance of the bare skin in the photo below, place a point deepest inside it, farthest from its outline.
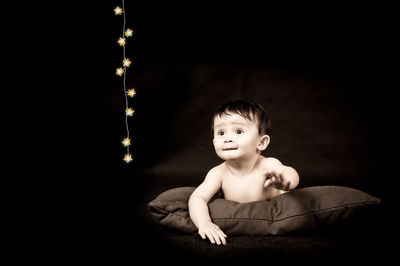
(244, 176)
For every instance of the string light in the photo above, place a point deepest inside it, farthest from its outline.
(121, 71)
(126, 142)
(122, 41)
(131, 92)
(129, 111)
(128, 158)
(128, 33)
(118, 10)
(126, 62)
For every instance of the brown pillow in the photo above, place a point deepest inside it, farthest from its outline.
(299, 209)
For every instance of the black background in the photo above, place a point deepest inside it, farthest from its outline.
(322, 72)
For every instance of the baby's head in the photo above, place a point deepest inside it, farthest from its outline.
(248, 110)
(240, 127)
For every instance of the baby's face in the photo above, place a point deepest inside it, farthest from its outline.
(235, 137)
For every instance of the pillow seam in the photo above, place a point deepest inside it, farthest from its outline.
(169, 212)
(307, 213)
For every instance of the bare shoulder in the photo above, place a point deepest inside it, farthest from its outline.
(216, 172)
(211, 184)
(269, 162)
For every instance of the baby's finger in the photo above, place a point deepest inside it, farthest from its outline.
(267, 183)
(275, 179)
(216, 237)
(222, 236)
(282, 184)
(210, 236)
(286, 186)
(202, 234)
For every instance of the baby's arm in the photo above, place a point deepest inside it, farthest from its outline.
(280, 176)
(198, 208)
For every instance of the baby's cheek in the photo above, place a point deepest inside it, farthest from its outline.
(216, 143)
(217, 148)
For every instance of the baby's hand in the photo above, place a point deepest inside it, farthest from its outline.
(213, 233)
(277, 180)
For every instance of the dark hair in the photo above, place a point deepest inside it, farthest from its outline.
(247, 109)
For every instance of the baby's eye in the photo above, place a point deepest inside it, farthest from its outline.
(239, 131)
(221, 133)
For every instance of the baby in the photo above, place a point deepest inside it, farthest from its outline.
(240, 130)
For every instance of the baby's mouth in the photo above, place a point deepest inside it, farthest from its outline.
(229, 149)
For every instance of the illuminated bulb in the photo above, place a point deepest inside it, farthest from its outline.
(121, 41)
(118, 10)
(120, 71)
(131, 92)
(127, 158)
(127, 62)
(128, 32)
(129, 111)
(126, 142)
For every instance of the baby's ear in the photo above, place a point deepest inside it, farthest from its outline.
(263, 142)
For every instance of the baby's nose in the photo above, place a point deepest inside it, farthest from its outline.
(228, 138)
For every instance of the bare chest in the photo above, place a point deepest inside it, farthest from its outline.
(245, 189)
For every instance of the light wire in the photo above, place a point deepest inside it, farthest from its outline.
(123, 54)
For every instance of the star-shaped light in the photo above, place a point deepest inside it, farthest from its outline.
(129, 111)
(118, 10)
(121, 41)
(127, 158)
(120, 71)
(126, 142)
(128, 33)
(127, 62)
(131, 92)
